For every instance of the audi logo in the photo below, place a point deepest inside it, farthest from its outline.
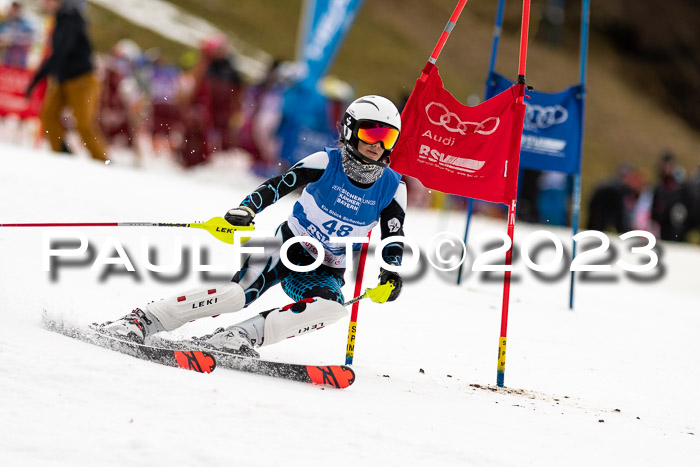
(540, 117)
(451, 122)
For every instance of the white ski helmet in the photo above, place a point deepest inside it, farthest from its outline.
(371, 119)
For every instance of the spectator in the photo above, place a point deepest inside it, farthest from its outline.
(72, 81)
(262, 112)
(528, 192)
(692, 193)
(215, 104)
(193, 149)
(121, 95)
(163, 112)
(16, 36)
(222, 88)
(165, 122)
(612, 202)
(669, 211)
(638, 206)
(186, 81)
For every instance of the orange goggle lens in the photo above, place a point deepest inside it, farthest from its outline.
(371, 133)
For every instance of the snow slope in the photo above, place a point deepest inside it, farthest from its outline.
(612, 383)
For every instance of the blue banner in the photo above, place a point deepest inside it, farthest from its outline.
(551, 133)
(327, 24)
(306, 118)
(306, 125)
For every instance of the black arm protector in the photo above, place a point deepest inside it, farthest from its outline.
(391, 222)
(275, 188)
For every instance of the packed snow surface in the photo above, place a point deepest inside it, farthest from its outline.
(613, 382)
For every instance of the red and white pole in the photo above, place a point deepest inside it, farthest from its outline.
(445, 34)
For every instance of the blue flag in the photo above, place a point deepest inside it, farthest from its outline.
(552, 132)
(306, 126)
(327, 24)
(306, 122)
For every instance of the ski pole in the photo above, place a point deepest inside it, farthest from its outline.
(356, 299)
(216, 226)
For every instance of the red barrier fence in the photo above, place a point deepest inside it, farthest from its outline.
(13, 84)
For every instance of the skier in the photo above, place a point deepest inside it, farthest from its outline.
(347, 191)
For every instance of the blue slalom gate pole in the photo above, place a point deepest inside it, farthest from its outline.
(497, 29)
(470, 207)
(576, 208)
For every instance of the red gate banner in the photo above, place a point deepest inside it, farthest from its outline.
(467, 151)
(13, 84)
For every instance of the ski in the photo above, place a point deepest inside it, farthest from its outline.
(183, 354)
(336, 376)
(188, 359)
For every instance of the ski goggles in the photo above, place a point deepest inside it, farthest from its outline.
(371, 133)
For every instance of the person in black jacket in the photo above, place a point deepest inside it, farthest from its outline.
(670, 209)
(72, 81)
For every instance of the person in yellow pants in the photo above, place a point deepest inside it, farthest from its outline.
(81, 94)
(72, 81)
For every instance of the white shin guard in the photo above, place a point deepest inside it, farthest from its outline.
(300, 318)
(175, 311)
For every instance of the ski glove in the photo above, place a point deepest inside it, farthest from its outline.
(388, 289)
(242, 216)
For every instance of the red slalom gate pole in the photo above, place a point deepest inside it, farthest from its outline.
(445, 34)
(352, 330)
(523, 41)
(500, 372)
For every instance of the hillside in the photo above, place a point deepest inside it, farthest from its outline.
(626, 121)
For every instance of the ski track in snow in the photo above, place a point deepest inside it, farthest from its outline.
(628, 355)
